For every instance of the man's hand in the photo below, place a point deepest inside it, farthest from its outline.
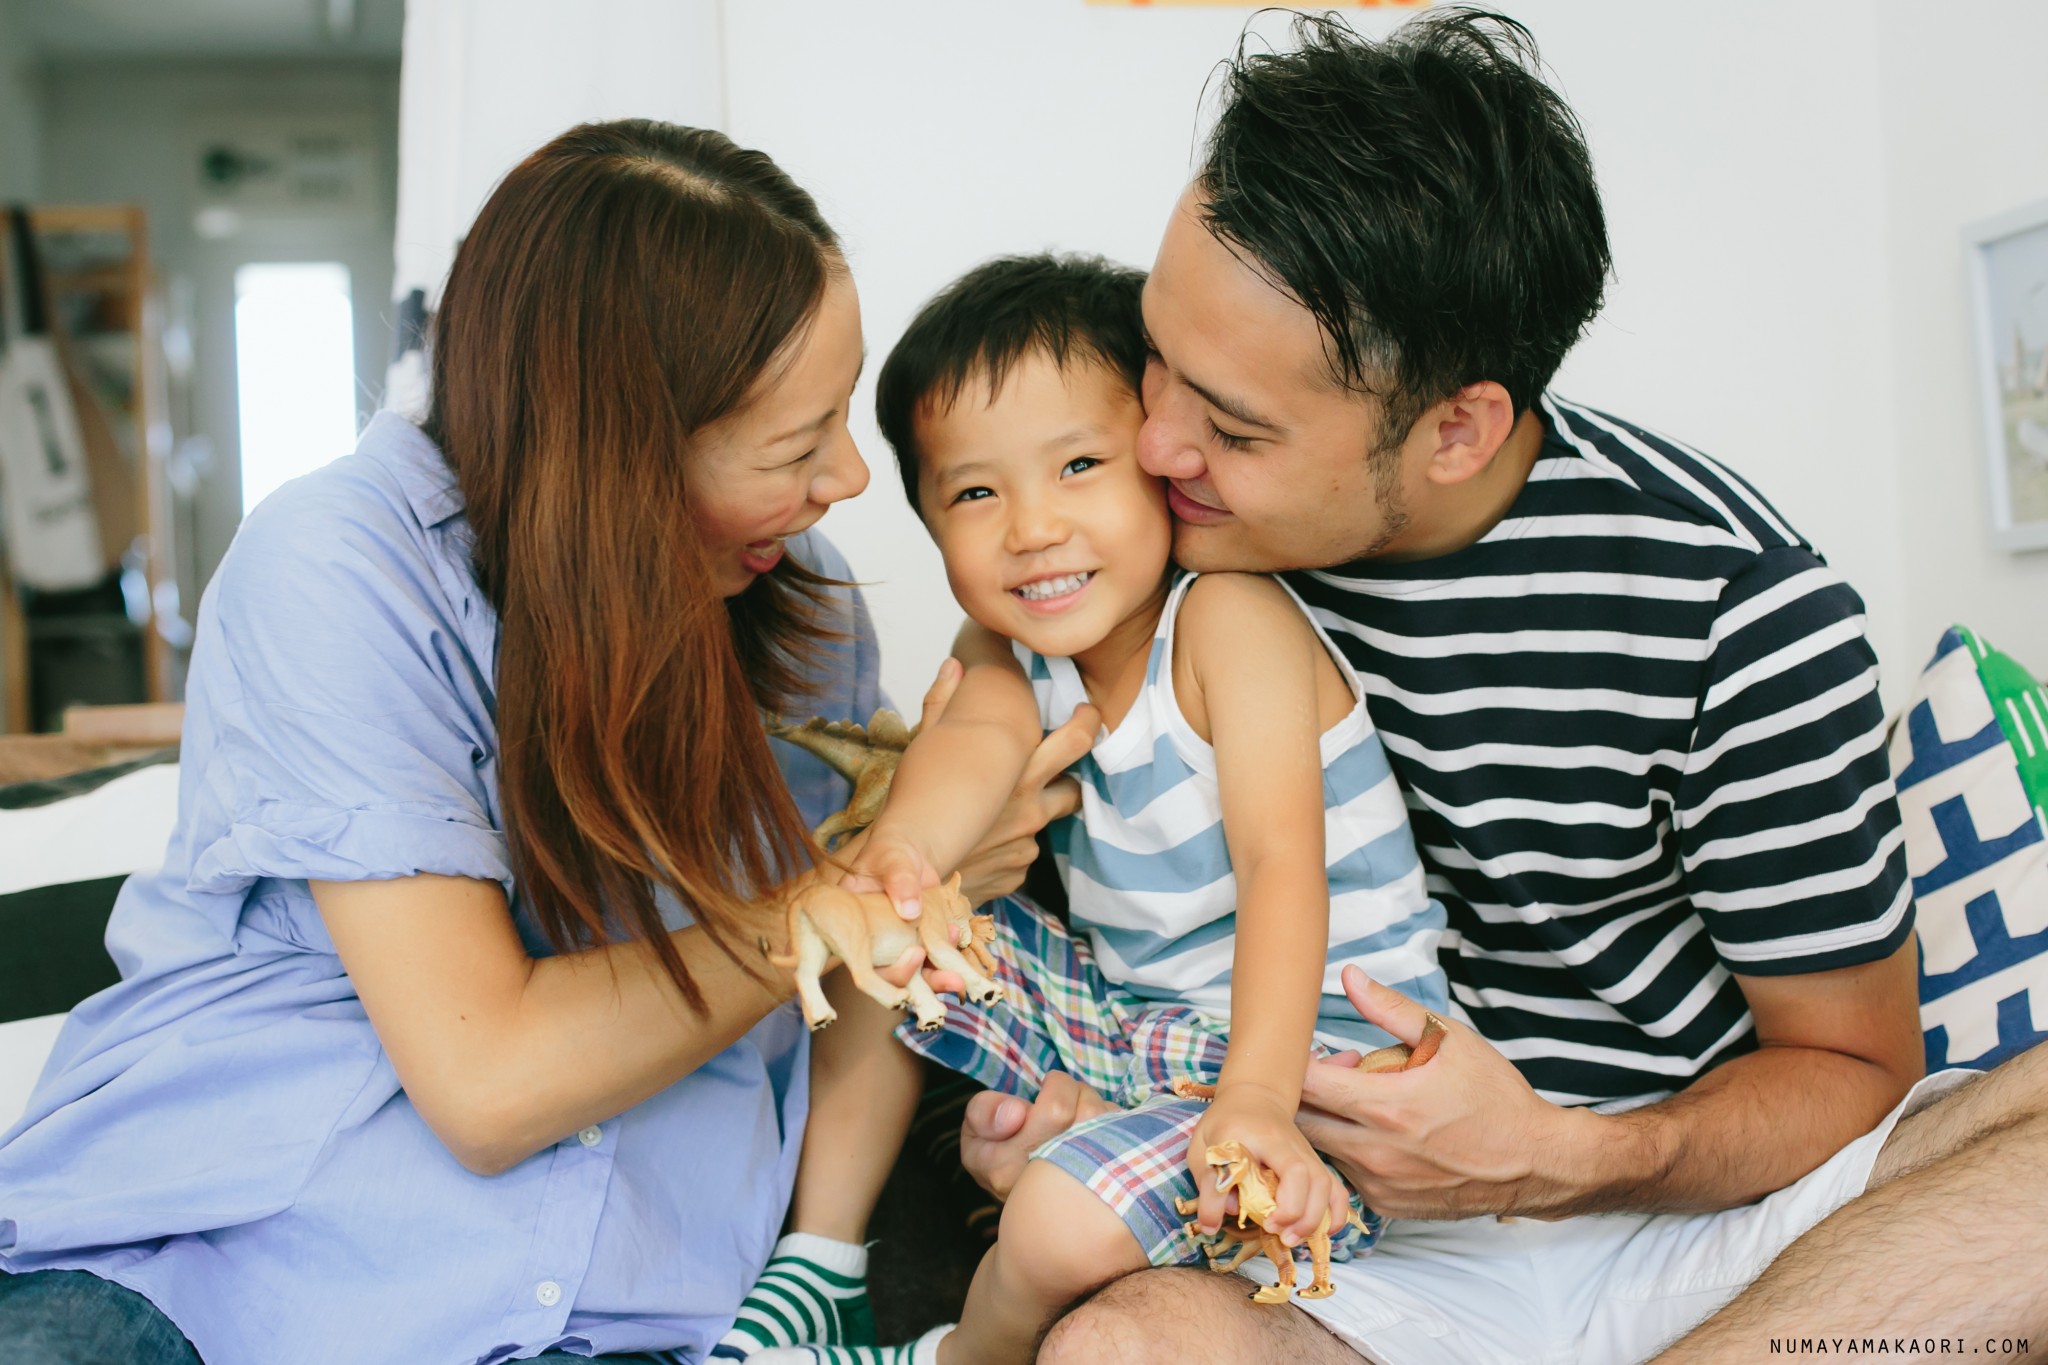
(999, 1132)
(1303, 1191)
(998, 864)
(1460, 1135)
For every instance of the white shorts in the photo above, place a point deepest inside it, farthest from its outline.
(1606, 1289)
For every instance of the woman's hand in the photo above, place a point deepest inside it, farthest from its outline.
(1042, 795)
(1304, 1191)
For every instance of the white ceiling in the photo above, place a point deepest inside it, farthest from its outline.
(210, 28)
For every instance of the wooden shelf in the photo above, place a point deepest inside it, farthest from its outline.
(103, 297)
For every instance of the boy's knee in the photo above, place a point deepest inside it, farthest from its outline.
(1059, 1237)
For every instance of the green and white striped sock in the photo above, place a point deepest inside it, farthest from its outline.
(923, 1351)
(813, 1290)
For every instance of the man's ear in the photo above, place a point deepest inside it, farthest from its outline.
(1467, 429)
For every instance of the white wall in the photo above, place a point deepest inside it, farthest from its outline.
(1739, 150)
(20, 110)
(1965, 122)
(1759, 190)
(935, 135)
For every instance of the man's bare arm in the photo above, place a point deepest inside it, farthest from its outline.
(1836, 1050)
(1467, 1135)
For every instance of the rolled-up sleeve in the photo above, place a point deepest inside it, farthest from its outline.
(344, 723)
(300, 805)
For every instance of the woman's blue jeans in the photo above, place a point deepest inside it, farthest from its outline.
(70, 1317)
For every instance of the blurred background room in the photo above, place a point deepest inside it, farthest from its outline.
(235, 213)
(202, 206)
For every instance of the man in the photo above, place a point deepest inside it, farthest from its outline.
(1637, 724)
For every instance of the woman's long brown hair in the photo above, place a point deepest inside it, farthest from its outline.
(623, 287)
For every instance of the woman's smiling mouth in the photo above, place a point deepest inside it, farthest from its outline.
(760, 556)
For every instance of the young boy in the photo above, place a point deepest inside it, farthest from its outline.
(1240, 841)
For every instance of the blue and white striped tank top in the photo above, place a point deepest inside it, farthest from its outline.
(1148, 874)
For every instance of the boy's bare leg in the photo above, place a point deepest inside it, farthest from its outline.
(1956, 1205)
(1058, 1240)
(864, 1091)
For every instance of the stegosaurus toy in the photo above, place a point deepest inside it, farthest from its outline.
(864, 755)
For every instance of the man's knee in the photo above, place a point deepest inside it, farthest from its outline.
(1174, 1316)
(1129, 1321)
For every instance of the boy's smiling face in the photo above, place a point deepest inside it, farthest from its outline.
(1051, 533)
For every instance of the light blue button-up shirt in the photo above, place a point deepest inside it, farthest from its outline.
(222, 1131)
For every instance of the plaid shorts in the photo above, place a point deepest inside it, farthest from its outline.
(1059, 1013)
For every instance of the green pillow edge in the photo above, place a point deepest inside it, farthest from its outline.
(2021, 705)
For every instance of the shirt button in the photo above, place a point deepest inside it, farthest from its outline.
(591, 1136)
(549, 1293)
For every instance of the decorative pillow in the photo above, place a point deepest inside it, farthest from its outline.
(1971, 762)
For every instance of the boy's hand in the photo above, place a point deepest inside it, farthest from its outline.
(1304, 1189)
(895, 864)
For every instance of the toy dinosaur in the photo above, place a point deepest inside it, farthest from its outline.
(1235, 1169)
(1398, 1057)
(864, 755)
(865, 931)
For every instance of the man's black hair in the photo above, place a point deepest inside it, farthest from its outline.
(1427, 197)
(1071, 308)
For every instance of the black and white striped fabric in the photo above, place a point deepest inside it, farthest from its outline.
(1638, 729)
(65, 848)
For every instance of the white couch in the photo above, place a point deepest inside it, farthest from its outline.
(115, 829)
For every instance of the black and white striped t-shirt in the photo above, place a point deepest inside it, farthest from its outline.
(1638, 729)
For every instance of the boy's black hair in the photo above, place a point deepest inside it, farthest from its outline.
(1427, 197)
(1071, 308)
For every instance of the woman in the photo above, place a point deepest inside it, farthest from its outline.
(417, 1056)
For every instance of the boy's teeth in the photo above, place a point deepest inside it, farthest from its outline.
(1046, 588)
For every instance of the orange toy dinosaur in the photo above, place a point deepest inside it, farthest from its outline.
(865, 932)
(1233, 1168)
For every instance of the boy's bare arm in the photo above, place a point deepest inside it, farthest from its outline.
(1254, 659)
(956, 775)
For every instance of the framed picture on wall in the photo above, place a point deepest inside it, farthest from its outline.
(2007, 257)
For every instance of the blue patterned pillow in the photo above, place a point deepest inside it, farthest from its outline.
(1971, 762)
